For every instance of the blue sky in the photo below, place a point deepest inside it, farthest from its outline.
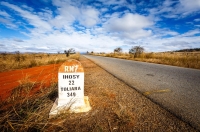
(99, 26)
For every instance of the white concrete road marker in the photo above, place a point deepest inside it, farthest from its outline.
(70, 89)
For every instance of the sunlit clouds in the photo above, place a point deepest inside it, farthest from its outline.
(99, 26)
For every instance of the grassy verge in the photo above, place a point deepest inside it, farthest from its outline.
(25, 112)
(21, 61)
(115, 107)
(27, 109)
(181, 59)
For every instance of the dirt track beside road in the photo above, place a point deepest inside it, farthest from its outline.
(42, 75)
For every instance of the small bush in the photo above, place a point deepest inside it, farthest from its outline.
(32, 63)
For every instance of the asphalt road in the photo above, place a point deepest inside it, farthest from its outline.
(175, 89)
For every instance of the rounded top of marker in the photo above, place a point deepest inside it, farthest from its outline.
(71, 66)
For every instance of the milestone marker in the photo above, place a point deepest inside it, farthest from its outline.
(70, 89)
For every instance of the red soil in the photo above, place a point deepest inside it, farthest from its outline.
(44, 75)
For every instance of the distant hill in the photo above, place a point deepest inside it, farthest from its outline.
(188, 50)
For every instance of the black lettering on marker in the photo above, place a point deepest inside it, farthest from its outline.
(70, 88)
(71, 76)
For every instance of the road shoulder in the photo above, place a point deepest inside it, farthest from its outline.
(118, 107)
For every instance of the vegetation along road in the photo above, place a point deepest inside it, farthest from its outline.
(173, 88)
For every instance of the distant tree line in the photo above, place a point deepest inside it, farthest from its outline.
(188, 50)
(135, 51)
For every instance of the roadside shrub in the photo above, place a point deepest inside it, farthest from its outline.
(32, 63)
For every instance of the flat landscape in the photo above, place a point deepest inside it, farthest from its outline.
(141, 63)
(115, 105)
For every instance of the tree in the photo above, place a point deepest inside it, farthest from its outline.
(69, 51)
(136, 51)
(118, 50)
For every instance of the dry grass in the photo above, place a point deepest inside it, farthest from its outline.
(21, 61)
(115, 107)
(23, 112)
(27, 109)
(181, 59)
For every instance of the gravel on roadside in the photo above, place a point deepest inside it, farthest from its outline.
(118, 107)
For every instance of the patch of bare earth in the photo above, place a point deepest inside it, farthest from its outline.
(117, 107)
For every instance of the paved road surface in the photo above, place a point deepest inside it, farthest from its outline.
(175, 89)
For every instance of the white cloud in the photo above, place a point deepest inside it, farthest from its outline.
(89, 17)
(116, 7)
(137, 34)
(60, 42)
(130, 25)
(5, 14)
(165, 10)
(190, 5)
(69, 12)
(8, 23)
(46, 14)
(32, 19)
(164, 32)
(75, 25)
(187, 7)
(113, 2)
(25, 7)
(2, 20)
(129, 22)
(177, 43)
(197, 20)
(104, 9)
(118, 4)
(191, 33)
(176, 9)
(18, 40)
(6, 19)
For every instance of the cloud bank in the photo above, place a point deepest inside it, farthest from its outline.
(99, 26)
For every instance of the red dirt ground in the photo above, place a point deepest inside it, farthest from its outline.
(41, 75)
